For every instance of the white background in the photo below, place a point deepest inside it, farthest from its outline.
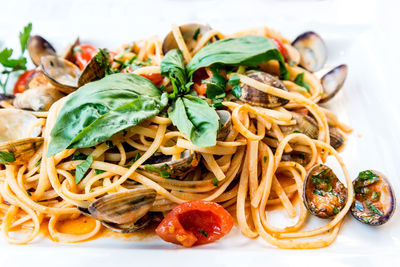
(363, 34)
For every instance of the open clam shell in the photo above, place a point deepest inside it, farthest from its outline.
(374, 202)
(304, 124)
(60, 72)
(225, 122)
(324, 195)
(312, 49)
(129, 227)
(22, 149)
(332, 82)
(39, 47)
(123, 207)
(94, 70)
(190, 32)
(256, 97)
(167, 167)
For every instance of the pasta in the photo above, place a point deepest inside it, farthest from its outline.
(249, 171)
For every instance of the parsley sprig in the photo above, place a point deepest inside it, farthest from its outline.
(10, 65)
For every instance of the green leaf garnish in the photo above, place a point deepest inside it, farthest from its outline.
(82, 168)
(299, 80)
(6, 157)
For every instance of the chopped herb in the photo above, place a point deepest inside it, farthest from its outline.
(335, 210)
(265, 158)
(329, 187)
(78, 156)
(99, 171)
(299, 80)
(366, 219)
(127, 166)
(203, 232)
(296, 131)
(216, 86)
(374, 209)
(164, 173)
(29, 193)
(237, 91)
(358, 206)
(163, 170)
(82, 168)
(91, 191)
(196, 34)
(38, 162)
(137, 157)
(234, 80)
(215, 181)
(6, 157)
(376, 196)
(318, 192)
(367, 175)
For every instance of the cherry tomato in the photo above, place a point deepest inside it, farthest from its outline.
(20, 85)
(83, 54)
(194, 223)
(281, 48)
(155, 78)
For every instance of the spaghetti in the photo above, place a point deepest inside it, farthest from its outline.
(247, 172)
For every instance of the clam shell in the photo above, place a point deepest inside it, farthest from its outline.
(123, 207)
(187, 31)
(304, 124)
(312, 49)
(225, 122)
(60, 72)
(332, 82)
(39, 47)
(256, 97)
(93, 71)
(22, 149)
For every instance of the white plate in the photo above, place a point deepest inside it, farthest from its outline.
(368, 102)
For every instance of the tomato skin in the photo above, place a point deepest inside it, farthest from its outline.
(281, 48)
(20, 85)
(155, 78)
(194, 223)
(83, 54)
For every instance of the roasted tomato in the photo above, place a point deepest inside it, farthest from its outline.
(83, 54)
(281, 48)
(20, 85)
(194, 223)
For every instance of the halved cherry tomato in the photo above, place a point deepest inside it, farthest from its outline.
(83, 54)
(20, 85)
(194, 223)
(155, 78)
(281, 48)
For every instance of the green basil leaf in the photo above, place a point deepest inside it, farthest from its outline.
(24, 36)
(82, 168)
(173, 67)
(299, 80)
(237, 91)
(216, 87)
(246, 50)
(6, 157)
(99, 109)
(196, 119)
(234, 80)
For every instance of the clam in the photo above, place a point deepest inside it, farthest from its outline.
(256, 97)
(312, 49)
(225, 123)
(190, 33)
(374, 201)
(94, 70)
(62, 73)
(123, 212)
(304, 124)
(14, 139)
(333, 81)
(296, 156)
(167, 167)
(336, 138)
(69, 51)
(39, 47)
(39, 96)
(324, 195)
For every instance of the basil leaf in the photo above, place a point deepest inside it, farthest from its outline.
(216, 87)
(82, 168)
(99, 109)
(246, 50)
(299, 80)
(196, 119)
(237, 91)
(6, 157)
(24, 36)
(173, 67)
